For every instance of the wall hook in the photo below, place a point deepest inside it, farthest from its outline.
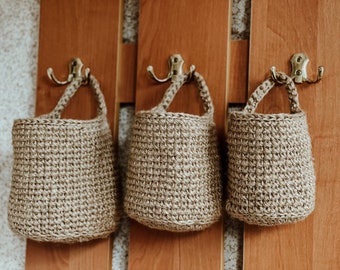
(75, 71)
(299, 63)
(176, 68)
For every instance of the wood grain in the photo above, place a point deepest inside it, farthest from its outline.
(238, 71)
(126, 85)
(311, 27)
(90, 255)
(90, 31)
(198, 30)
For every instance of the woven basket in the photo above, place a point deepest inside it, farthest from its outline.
(271, 177)
(64, 181)
(173, 177)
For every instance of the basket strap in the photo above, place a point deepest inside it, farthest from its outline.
(267, 85)
(71, 89)
(176, 85)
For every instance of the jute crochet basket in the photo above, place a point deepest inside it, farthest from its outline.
(173, 177)
(64, 181)
(271, 177)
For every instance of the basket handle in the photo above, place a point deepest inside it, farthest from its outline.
(176, 85)
(264, 88)
(71, 89)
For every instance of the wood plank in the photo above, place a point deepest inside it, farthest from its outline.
(71, 29)
(238, 75)
(127, 73)
(311, 27)
(92, 255)
(325, 128)
(198, 30)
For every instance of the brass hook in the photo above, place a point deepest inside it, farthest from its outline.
(299, 63)
(176, 68)
(75, 71)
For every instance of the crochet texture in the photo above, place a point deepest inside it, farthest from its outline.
(270, 168)
(173, 178)
(64, 180)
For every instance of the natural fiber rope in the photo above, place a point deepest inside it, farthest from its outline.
(173, 177)
(267, 85)
(175, 86)
(64, 182)
(271, 176)
(71, 90)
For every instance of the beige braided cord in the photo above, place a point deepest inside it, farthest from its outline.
(71, 90)
(175, 86)
(271, 176)
(64, 181)
(263, 89)
(173, 176)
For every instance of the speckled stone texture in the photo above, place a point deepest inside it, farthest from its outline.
(19, 26)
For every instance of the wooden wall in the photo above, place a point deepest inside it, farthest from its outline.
(199, 31)
(280, 29)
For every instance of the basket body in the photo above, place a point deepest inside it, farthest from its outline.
(270, 169)
(64, 185)
(173, 177)
(271, 178)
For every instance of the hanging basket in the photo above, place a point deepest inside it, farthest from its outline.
(173, 178)
(271, 176)
(64, 181)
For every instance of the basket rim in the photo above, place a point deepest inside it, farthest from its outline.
(58, 121)
(268, 115)
(173, 114)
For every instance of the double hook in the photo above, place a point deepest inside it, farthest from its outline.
(175, 69)
(75, 71)
(299, 63)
